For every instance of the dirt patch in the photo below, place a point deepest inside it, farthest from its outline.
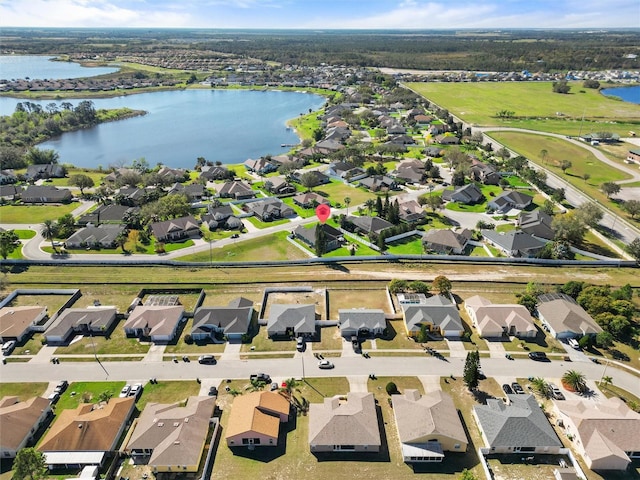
(316, 297)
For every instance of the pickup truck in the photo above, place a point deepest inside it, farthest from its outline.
(260, 377)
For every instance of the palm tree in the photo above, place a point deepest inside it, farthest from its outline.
(347, 202)
(540, 386)
(574, 380)
(370, 204)
(49, 232)
(606, 381)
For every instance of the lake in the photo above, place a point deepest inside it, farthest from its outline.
(229, 126)
(628, 94)
(14, 67)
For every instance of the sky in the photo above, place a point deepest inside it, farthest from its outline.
(322, 14)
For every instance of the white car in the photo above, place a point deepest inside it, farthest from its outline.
(8, 347)
(573, 343)
(325, 364)
(125, 391)
(136, 390)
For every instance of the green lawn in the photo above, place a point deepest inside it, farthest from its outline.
(86, 392)
(95, 175)
(262, 343)
(256, 222)
(34, 214)
(25, 234)
(407, 246)
(168, 392)
(337, 191)
(22, 390)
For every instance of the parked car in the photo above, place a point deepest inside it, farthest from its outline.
(356, 344)
(555, 392)
(573, 343)
(61, 387)
(207, 359)
(235, 235)
(260, 377)
(538, 356)
(213, 391)
(481, 374)
(136, 391)
(517, 388)
(507, 389)
(7, 347)
(53, 398)
(274, 386)
(300, 345)
(325, 364)
(125, 391)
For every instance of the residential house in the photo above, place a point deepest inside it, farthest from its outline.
(215, 172)
(16, 322)
(112, 213)
(310, 200)
(337, 134)
(486, 174)
(173, 174)
(433, 152)
(194, 192)
(86, 435)
(334, 237)
(133, 196)
(520, 426)
(7, 176)
(317, 178)
(47, 170)
(20, 422)
(158, 323)
(346, 171)
(423, 120)
(633, 156)
(564, 318)
(446, 241)
(447, 139)
(411, 211)
(171, 437)
(270, 209)
(102, 236)
(361, 322)
(514, 243)
(509, 200)
(291, 320)
(400, 140)
(605, 433)
(369, 225)
(537, 223)
(261, 166)
(80, 321)
(237, 189)
(116, 174)
(344, 426)
(377, 183)
(500, 320)
(176, 229)
(467, 194)
(428, 425)
(10, 192)
(279, 186)
(409, 171)
(255, 419)
(232, 321)
(46, 194)
(438, 314)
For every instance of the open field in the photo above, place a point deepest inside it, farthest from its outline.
(22, 390)
(535, 105)
(350, 298)
(34, 213)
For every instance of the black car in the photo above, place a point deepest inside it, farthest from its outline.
(261, 377)
(61, 387)
(517, 388)
(538, 356)
(213, 391)
(507, 389)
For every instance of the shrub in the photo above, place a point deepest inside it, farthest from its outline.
(391, 388)
(188, 339)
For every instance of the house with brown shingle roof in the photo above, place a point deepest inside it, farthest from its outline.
(446, 241)
(344, 424)
(428, 425)
(498, 320)
(171, 437)
(20, 422)
(85, 436)
(255, 419)
(15, 322)
(605, 432)
(176, 229)
(158, 323)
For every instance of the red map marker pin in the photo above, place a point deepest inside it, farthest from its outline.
(323, 211)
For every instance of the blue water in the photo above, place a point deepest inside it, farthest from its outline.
(14, 67)
(628, 94)
(220, 125)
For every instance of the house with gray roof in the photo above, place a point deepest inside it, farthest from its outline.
(509, 200)
(409, 171)
(270, 209)
(291, 320)
(194, 192)
(377, 183)
(446, 241)
(168, 437)
(45, 170)
(80, 321)
(10, 192)
(344, 425)
(309, 199)
(369, 225)
(112, 213)
(102, 236)
(467, 194)
(411, 211)
(486, 174)
(176, 229)
(537, 223)
(154, 322)
(361, 322)
(333, 236)
(261, 166)
(46, 194)
(232, 321)
(564, 318)
(237, 189)
(514, 243)
(278, 186)
(428, 426)
(215, 172)
(437, 313)
(346, 171)
(517, 427)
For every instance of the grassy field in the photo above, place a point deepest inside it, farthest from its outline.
(354, 298)
(22, 390)
(535, 106)
(34, 214)
(337, 191)
(86, 392)
(168, 392)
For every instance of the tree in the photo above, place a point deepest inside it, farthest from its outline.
(309, 180)
(590, 83)
(35, 156)
(49, 232)
(632, 207)
(321, 241)
(391, 388)
(81, 181)
(574, 380)
(442, 285)
(565, 165)
(397, 286)
(634, 249)
(30, 464)
(606, 381)
(590, 213)
(540, 386)
(434, 202)
(561, 87)
(347, 202)
(471, 375)
(586, 176)
(121, 240)
(423, 334)
(468, 475)
(9, 241)
(604, 339)
(558, 195)
(370, 204)
(569, 227)
(543, 155)
(610, 188)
